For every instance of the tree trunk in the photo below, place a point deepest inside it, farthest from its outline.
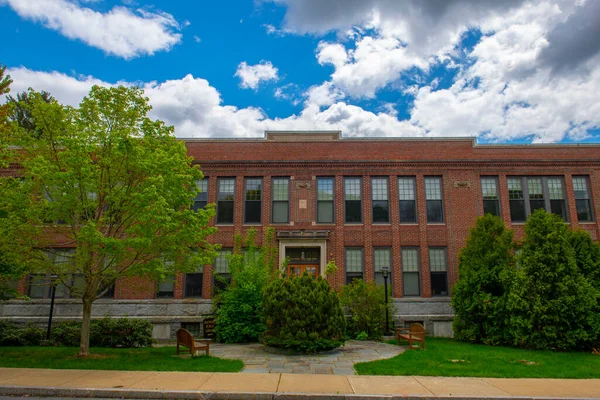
(84, 345)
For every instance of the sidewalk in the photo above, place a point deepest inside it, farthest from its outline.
(199, 385)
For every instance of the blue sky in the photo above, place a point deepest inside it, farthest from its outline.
(495, 70)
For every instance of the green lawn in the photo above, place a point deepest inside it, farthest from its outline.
(447, 357)
(142, 359)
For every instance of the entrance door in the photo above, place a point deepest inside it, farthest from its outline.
(299, 269)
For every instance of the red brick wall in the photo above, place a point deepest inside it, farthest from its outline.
(458, 162)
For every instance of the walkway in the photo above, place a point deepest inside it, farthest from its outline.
(198, 385)
(337, 362)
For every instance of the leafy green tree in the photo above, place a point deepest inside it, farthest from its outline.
(22, 106)
(105, 179)
(485, 269)
(240, 304)
(553, 306)
(365, 302)
(302, 314)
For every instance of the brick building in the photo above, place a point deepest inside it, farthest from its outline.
(368, 204)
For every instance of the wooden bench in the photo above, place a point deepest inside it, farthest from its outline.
(185, 339)
(416, 333)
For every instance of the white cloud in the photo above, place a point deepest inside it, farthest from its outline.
(252, 75)
(120, 31)
(195, 108)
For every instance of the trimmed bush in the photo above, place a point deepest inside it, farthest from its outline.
(486, 267)
(302, 314)
(121, 332)
(365, 302)
(13, 335)
(107, 332)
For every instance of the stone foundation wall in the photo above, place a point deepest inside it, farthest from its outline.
(167, 315)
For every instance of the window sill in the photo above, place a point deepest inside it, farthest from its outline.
(253, 224)
(353, 224)
(381, 224)
(223, 224)
(436, 223)
(587, 223)
(409, 224)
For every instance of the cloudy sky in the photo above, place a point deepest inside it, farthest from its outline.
(510, 71)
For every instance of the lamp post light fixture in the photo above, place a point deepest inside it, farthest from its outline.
(385, 272)
(52, 295)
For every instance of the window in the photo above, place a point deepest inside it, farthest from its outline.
(439, 271)
(582, 198)
(379, 197)
(354, 264)
(325, 200)
(202, 197)
(556, 192)
(411, 272)
(516, 200)
(221, 267)
(353, 200)
(545, 193)
(225, 197)
(166, 287)
(536, 194)
(192, 327)
(253, 200)
(38, 286)
(433, 195)
(408, 203)
(382, 257)
(193, 284)
(489, 193)
(281, 201)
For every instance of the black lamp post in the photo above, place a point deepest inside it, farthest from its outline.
(385, 271)
(52, 295)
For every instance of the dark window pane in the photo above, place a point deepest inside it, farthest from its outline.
(225, 212)
(584, 211)
(353, 211)
(193, 285)
(439, 284)
(280, 212)
(325, 211)
(536, 204)
(110, 293)
(517, 210)
(192, 327)
(434, 211)
(380, 280)
(253, 212)
(380, 211)
(559, 207)
(408, 211)
(412, 286)
(353, 276)
(38, 286)
(491, 207)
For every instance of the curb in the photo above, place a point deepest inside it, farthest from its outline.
(198, 395)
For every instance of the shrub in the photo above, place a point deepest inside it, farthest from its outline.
(485, 270)
(240, 304)
(121, 332)
(553, 305)
(587, 256)
(302, 314)
(13, 335)
(67, 333)
(365, 302)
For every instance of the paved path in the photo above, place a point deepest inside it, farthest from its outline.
(198, 385)
(338, 362)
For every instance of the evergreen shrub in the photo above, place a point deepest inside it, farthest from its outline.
(302, 314)
(486, 270)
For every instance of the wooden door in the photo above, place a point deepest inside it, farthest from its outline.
(299, 269)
